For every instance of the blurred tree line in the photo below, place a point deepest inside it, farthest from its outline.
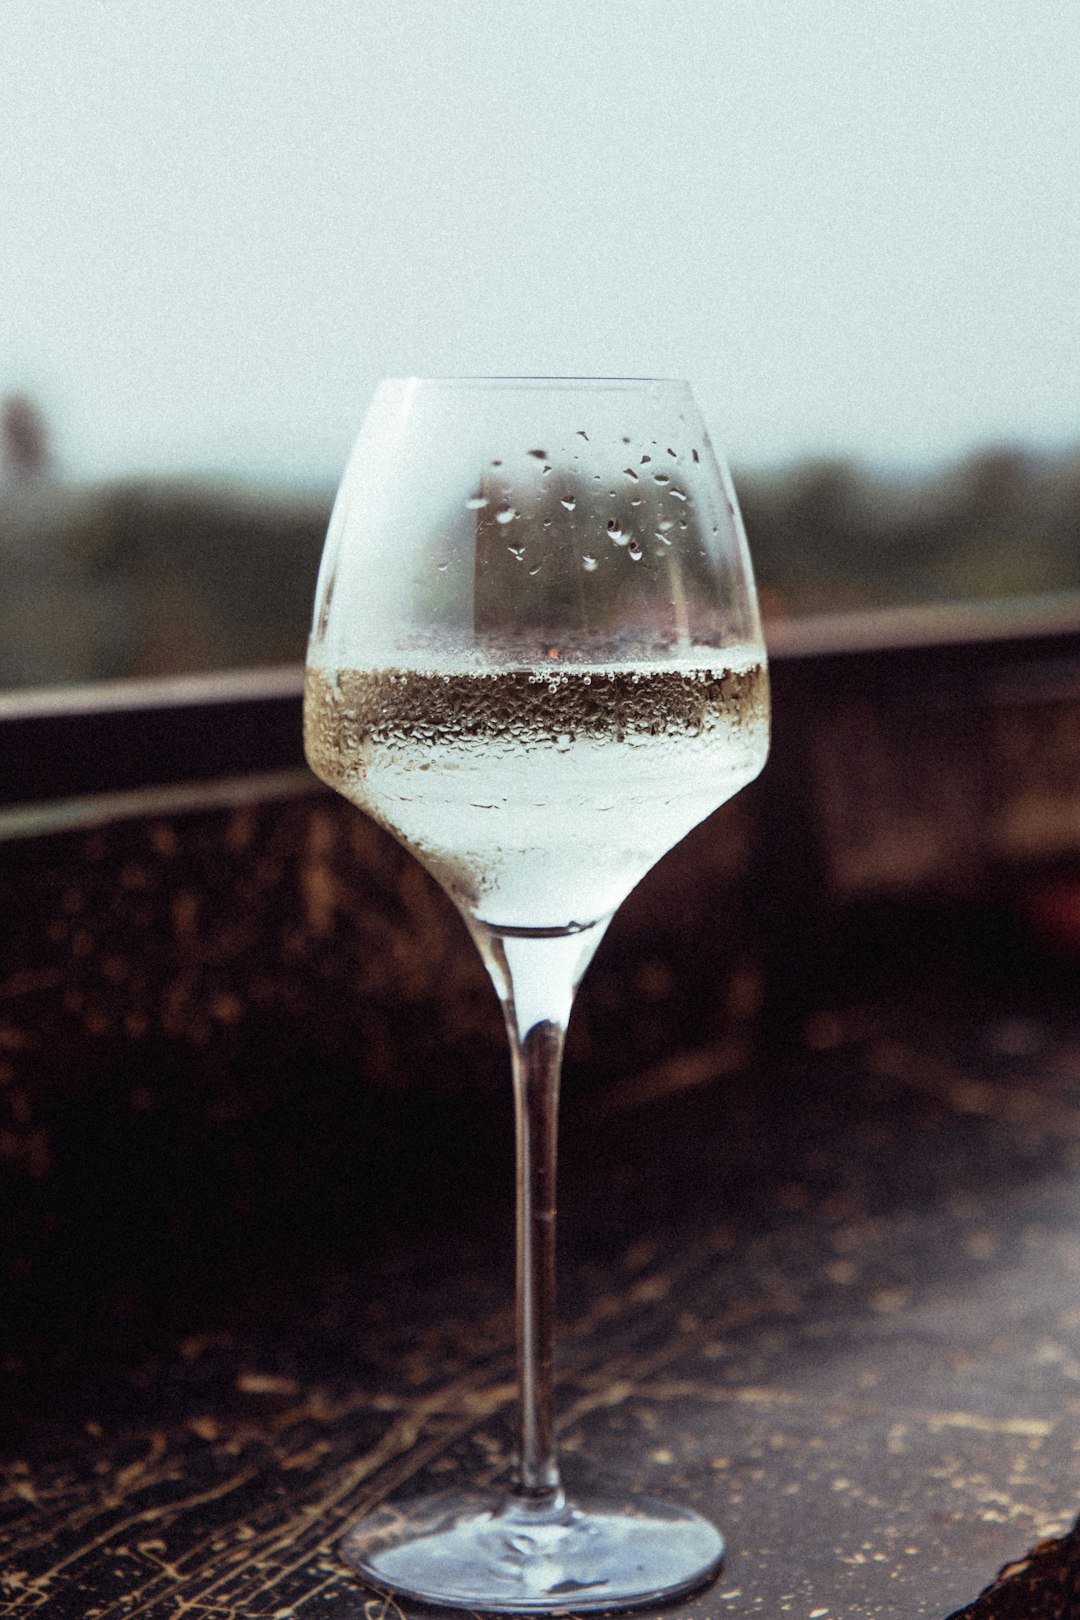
(832, 537)
(147, 578)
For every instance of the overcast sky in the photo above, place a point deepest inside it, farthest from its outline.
(855, 226)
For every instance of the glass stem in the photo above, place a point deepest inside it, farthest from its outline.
(537, 1063)
(536, 972)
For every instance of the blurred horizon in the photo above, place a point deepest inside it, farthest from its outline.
(164, 574)
(41, 462)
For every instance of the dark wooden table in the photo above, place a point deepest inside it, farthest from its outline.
(828, 1295)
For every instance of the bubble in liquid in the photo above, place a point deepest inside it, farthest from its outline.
(505, 514)
(589, 562)
(569, 502)
(635, 551)
(475, 502)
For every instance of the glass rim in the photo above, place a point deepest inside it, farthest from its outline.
(525, 381)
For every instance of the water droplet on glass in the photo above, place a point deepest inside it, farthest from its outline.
(644, 459)
(563, 741)
(661, 478)
(517, 552)
(505, 514)
(581, 433)
(678, 494)
(443, 567)
(674, 454)
(664, 539)
(626, 438)
(616, 533)
(589, 562)
(475, 502)
(665, 524)
(636, 503)
(534, 570)
(635, 551)
(569, 502)
(538, 455)
(695, 455)
(496, 462)
(630, 473)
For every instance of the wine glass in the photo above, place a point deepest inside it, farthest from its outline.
(536, 659)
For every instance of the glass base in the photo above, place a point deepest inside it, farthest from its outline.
(468, 1550)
